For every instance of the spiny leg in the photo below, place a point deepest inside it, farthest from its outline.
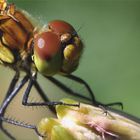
(71, 92)
(96, 103)
(43, 95)
(66, 89)
(25, 102)
(25, 99)
(10, 89)
(7, 102)
(12, 95)
(21, 124)
(114, 104)
(81, 81)
(12, 84)
(27, 92)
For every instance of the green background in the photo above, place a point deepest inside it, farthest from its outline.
(110, 30)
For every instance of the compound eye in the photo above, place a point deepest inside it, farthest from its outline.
(61, 27)
(46, 45)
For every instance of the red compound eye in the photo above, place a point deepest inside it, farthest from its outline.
(61, 27)
(46, 45)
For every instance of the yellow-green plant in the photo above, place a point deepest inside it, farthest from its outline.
(88, 123)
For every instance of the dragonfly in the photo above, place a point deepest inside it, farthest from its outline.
(54, 49)
(50, 50)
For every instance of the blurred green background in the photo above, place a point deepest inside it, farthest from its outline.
(110, 30)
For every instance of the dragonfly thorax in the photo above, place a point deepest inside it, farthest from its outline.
(15, 32)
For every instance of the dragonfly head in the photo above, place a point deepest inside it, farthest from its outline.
(57, 49)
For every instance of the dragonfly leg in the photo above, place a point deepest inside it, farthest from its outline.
(50, 103)
(115, 104)
(96, 103)
(66, 89)
(10, 89)
(5, 105)
(43, 95)
(12, 84)
(81, 81)
(21, 124)
(10, 95)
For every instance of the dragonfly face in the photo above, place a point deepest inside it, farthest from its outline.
(58, 49)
